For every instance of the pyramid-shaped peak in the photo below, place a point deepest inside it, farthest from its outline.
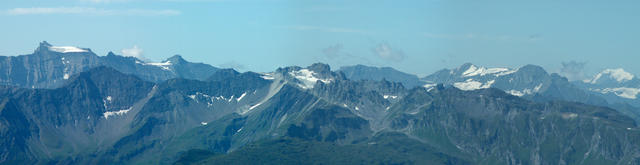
(176, 58)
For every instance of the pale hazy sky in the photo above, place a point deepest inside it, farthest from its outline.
(418, 37)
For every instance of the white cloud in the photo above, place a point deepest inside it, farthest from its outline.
(337, 55)
(384, 51)
(89, 11)
(135, 51)
(333, 51)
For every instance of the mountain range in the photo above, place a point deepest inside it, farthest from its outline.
(66, 105)
(50, 66)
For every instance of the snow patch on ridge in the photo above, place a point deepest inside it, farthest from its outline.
(254, 106)
(525, 91)
(629, 93)
(267, 76)
(67, 49)
(193, 97)
(241, 96)
(202, 96)
(113, 113)
(471, 84)
(164, 65)
(64, 61)
(481, 71)
(308, 78)
(389, 97)
(429, 87)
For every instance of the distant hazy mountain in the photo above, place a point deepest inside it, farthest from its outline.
(362, 72)
(51, 66)
(529, 81)
(616, 85)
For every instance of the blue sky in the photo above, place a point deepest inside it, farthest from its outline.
(418, 37)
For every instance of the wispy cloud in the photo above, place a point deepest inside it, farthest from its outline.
(135, 51)
(339, 55)
(324, 29)
(333, 51)
(486, 37)
(90, 11)
(385, 52)
(573, 70)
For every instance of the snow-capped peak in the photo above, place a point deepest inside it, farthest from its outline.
(471, 84)
(67, 49)
(617, 74)
(308, 78)
(481, 71)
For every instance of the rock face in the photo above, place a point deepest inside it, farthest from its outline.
(501, 128)
(51, 66)
(41, 125)
(103, 116)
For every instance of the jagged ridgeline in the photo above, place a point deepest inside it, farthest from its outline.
(50, 66)
(75, 107)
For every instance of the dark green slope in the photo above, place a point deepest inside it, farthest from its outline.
(388, 148)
